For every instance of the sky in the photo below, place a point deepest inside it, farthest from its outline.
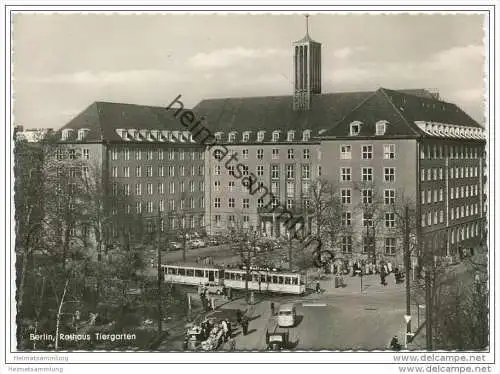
(62, 63)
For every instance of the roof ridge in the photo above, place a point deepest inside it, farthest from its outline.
(397, 110)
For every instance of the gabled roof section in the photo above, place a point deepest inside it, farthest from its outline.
(417, 108)
(104, 118)
(375, 108)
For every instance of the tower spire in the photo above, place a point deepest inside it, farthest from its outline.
(307, 24)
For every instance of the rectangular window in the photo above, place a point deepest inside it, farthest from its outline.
(367, 196)
(345, 152)
(245, 170)
(306, 154)
(246, 203)
(150, 207)
(171, 205)
(231, 202)
(149, 155)
(345, 174)
(275, 188)
(306, 185)
(138, 154)
(367, 152)
(171, 187)
(367, 219)
(389, 197)
(275, 153)
(160, 154)
(440, 173)
(390, 246)
(126, 154)
(244, 153)
(191, 186)
(290, 171)
(347, 244)
(160, 188)
(193, 170)
(182, 187)
(231, 186)
(126, 172)
(345, 194)
(366, 174)
(389, 220)
(289, 204)
(138, 190)
(389, 151)
(217, 170)
(290, 189)
(260, 170)
(389, 174)
(181, 155)
(346, 219)
(149, 188)
(260, 154)
(290, 154)
(86, 153)
(182, 171)
(422, 175)
(161, 171)
(149, 171)
(138, 207)
(275, 171)
(171, 171)
(217, 202)
(306, 171)
(114, 172)
(114, 154)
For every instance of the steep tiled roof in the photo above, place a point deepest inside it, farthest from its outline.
(103, 118)
(401, 109)
(276, 113)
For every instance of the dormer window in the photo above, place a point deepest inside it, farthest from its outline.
(218, 136)
(355, 128)
(276, 136)
(246, 136)
(290, 136)
(174, 136)
(231, 137)
(186, 136)
(66, 134)
(131, 133)
(82, 133)
(260, 136)
(149, 136)
(380, 127)
(306, 135)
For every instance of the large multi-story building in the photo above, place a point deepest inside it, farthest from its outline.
(375, 147)
(149, 164)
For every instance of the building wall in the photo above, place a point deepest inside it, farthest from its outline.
(404, 186)
(460, 163)
(256, 216)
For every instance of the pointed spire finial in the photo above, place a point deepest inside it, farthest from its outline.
(307, 24)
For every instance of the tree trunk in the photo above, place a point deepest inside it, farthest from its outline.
(59, 311)
(20, 299)
(184, 242)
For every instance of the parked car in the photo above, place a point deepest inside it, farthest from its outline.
(213, 241)
(214, 288)
(197, 243)
(175, 246)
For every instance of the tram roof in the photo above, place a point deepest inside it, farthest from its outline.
(220, 267)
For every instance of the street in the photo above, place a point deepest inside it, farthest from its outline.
(336, 319)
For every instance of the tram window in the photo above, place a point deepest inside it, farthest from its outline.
(198, 273)
(256, 277)
(295, 280)
(233, 276)
(287, 280)
(170, 271)
(238, 276)
(280, 280)
(182, 271)
(227, 276)
(275, 279)
(263, 278)
(301, 280)
(190, 272)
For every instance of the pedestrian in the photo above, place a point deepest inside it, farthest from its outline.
(225, 330)
(318, 287)
(395, 345)
(238, 316)
(382, 275)
(229, 329)
(272, 308)
(244, 324)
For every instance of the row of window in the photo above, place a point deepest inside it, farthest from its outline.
(431, 174)
(275, 154)
(366, 151)
(434, 151)
(218, 221)
(180, 186)
(73, 153)
(367, 174)
(243, 170)
(380, 127)
(389, 219)
(159, 154)
(149, 206)
(469, 230)
(160, 171)
(437, 216)
(367, 194)
(389, 245)
(458, 192)
(275, 136)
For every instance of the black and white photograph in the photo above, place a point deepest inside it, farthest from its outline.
(238, 184)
